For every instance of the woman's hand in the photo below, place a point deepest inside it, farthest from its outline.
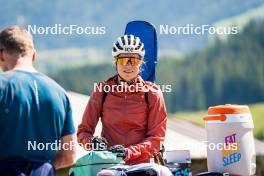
(120, 150)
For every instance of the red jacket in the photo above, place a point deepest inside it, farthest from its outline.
(127, 119)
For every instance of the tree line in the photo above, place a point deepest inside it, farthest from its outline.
(225, 71)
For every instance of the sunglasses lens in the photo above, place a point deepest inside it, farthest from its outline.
(135, 61)
(122, 61)
(132, 60)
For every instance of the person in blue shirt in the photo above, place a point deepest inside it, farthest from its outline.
(36, 126)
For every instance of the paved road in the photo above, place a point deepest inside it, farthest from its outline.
(181, 135)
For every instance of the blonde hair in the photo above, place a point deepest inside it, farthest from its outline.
(16, 40)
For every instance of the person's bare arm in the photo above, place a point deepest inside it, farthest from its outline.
(66, 156)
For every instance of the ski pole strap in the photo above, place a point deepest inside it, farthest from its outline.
(159, 160)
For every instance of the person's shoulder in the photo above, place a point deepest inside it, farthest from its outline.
(153, 89)
(5, 78)
(150, 86)
(111, 80)
(2, 81)
(51, 84)
(103, 87)
(7, 75)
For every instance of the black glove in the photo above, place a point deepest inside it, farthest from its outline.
(99, 143)
(120, 150)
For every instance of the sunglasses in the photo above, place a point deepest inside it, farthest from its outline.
(125, 60)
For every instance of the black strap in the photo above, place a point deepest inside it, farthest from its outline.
(103, 100)
(146, 97)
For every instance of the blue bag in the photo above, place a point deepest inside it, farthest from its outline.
(148, 35)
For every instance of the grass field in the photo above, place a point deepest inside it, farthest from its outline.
(257, 111)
